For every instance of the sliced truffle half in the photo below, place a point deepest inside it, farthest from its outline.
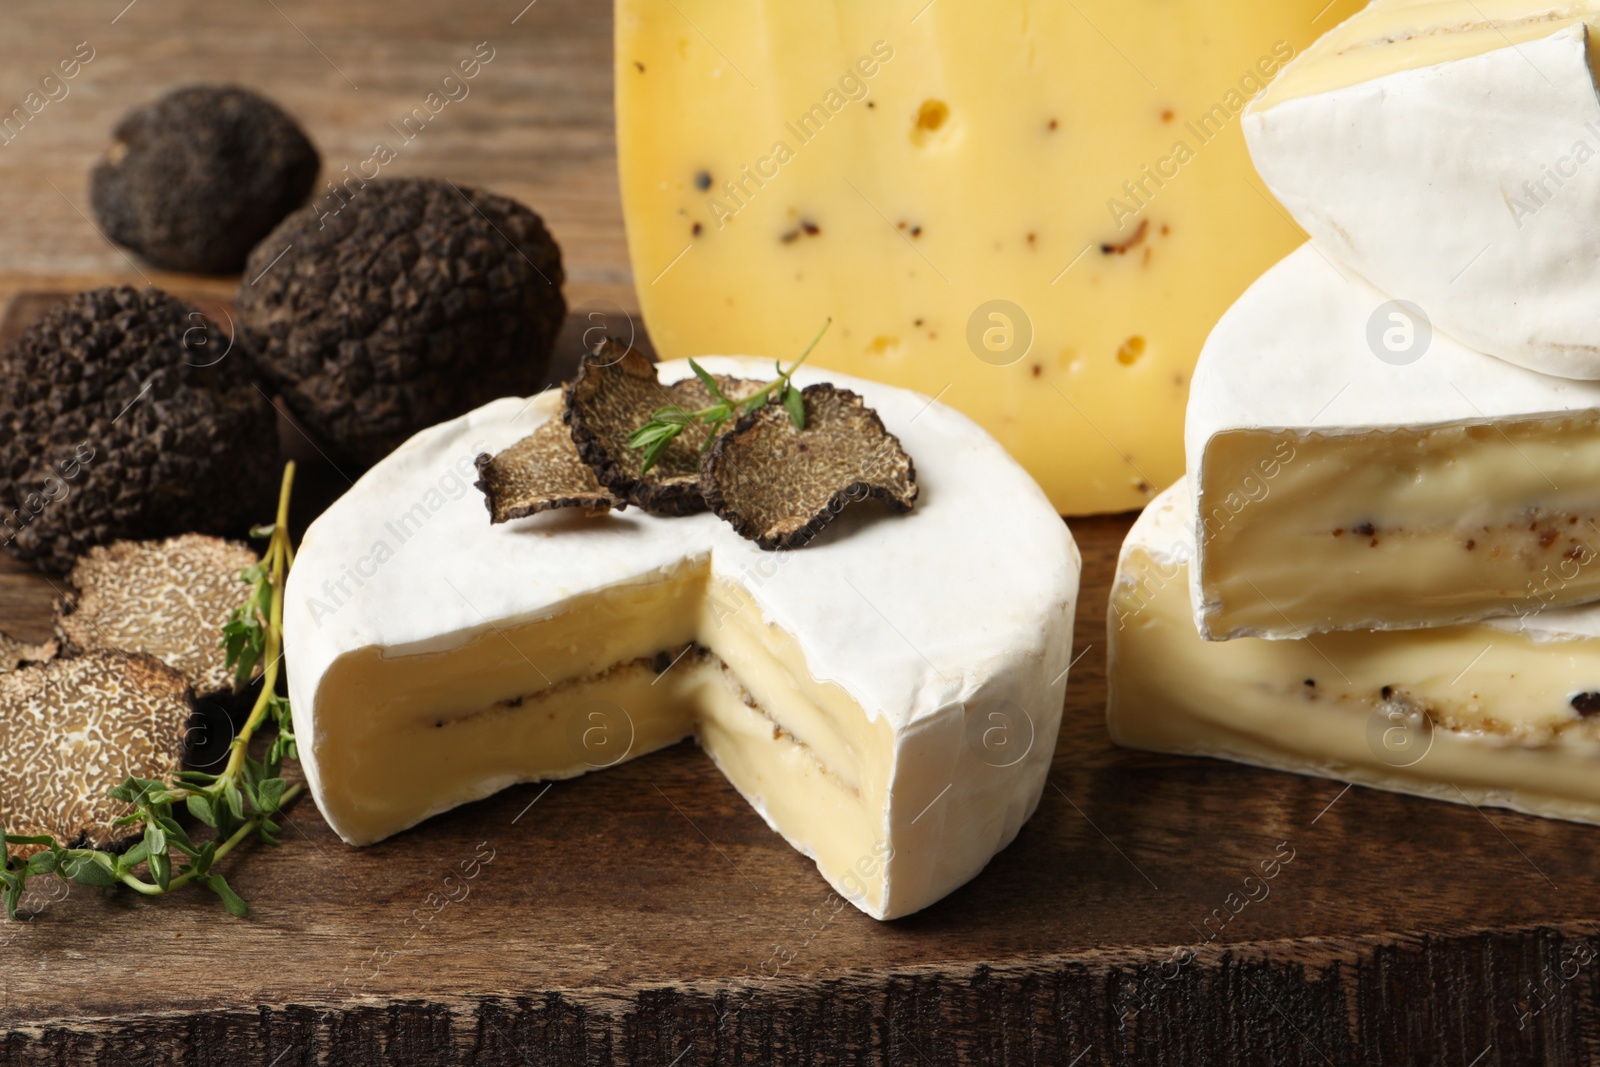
(72, 729)
(15, 653)
(168, 598)
(541, 472)
(615, 392)
(779, 486)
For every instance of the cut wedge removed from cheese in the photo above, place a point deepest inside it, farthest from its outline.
(887, 697)
(1034, 211)
(1340, 489)
(1498, 713)
(1450, 152)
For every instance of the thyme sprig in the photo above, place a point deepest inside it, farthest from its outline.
(668, 422)
(239, 803)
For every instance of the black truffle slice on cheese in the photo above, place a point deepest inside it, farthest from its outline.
(780, 486)
(615, 392)
(541, 472)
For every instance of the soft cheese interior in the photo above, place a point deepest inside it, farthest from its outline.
(1343, 486)
(887, 698)
(1396, 35)
(1487, 713)
(611, 676)
(1389, 526)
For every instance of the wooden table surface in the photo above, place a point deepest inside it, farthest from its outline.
(645, 915)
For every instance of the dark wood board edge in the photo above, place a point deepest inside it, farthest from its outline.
(1420, 1001)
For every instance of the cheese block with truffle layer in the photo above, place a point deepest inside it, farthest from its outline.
(1501, 712)
(1033, 210)
(1354, 468)
(886, 697)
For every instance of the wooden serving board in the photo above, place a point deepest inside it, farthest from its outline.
(645, 915)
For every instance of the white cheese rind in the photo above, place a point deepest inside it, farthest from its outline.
(923, 619)
(1500, 731)
(1470, 187)
(1293, 359)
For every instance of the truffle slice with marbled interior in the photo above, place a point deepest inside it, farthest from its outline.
(779, 485)
(74, 728)
(168, 598)
(541, 472)
(615, 392)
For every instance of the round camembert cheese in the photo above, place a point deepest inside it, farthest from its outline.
(887, 697)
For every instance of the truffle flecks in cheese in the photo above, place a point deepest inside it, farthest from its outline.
(1343, 484)
(438, 658)
(1449, 151)
(1501, 712)
(1033, 211)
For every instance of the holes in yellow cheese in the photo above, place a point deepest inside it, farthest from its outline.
(933, 117)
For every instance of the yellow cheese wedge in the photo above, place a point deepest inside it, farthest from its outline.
(1034, 211)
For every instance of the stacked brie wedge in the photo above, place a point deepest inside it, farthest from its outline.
(1384, 562)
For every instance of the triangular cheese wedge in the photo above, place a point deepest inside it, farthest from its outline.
(1450, 153)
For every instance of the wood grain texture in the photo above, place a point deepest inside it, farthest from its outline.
(645, 915)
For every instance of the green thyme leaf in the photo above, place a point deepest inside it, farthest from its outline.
(707, 380)
(653, 452)
(270, 792)
(134, 856)
(199, 806)
(230, 900)
(161, 869)
(234, 798)
(794, 403)
(666, 423)
(85, 870)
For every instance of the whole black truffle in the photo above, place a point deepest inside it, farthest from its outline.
(407, 302)
(123, 416)
(196, 179)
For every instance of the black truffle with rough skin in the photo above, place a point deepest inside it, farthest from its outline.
(408, 302)
(123, 415)
(194, 180)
